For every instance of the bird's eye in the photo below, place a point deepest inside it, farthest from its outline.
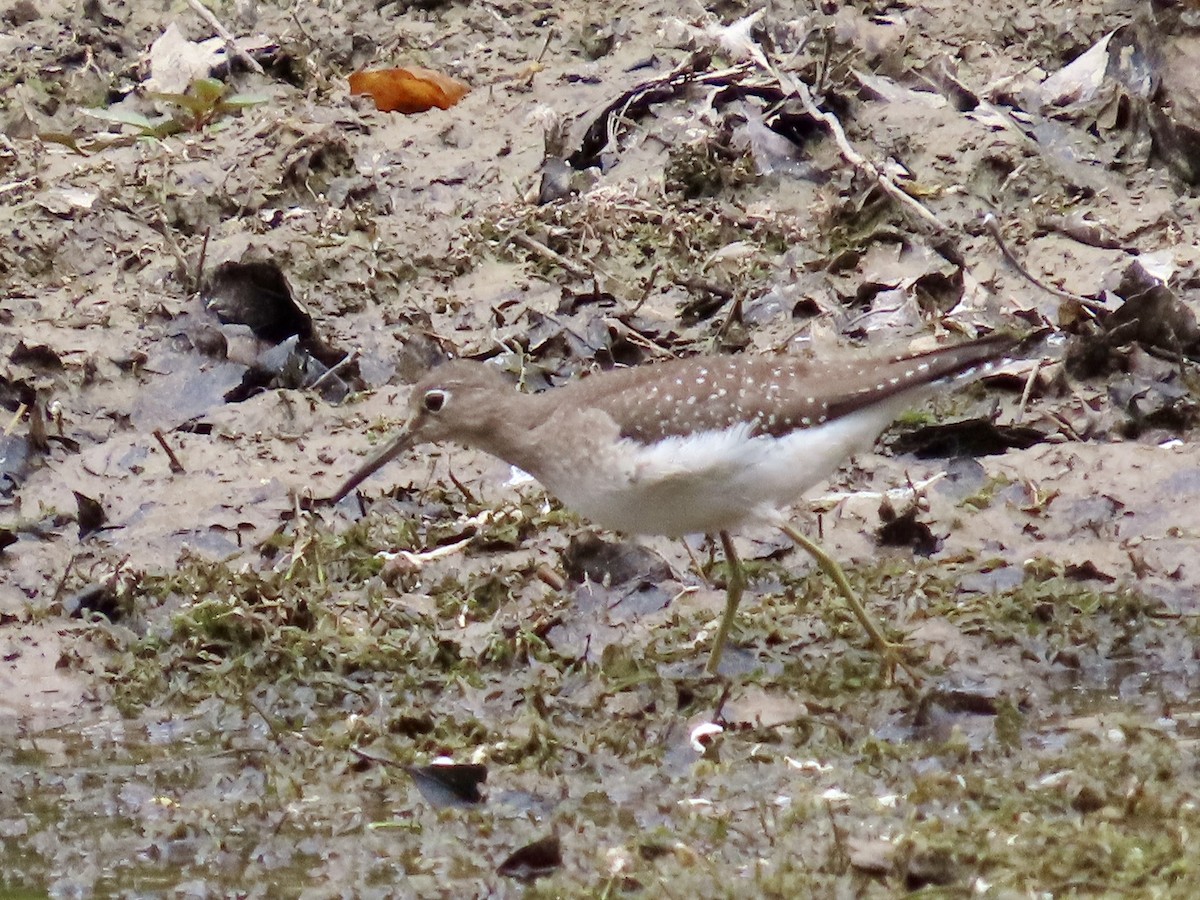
(435, 400)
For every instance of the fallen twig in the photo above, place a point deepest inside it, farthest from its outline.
(333, 370)
(231, 44)
(417, 560)
(638, 100)
(993, 228)
(198, 278)
(13, 422)
(856, 159)
(1025, 394)
(172, 460)
(535, 246)
(794, 87)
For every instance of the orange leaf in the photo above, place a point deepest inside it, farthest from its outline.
(408, 90)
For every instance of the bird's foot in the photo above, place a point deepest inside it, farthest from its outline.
(893, 656)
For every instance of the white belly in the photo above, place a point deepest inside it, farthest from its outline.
(711, 481)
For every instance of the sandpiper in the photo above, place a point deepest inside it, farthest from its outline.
(700, 445)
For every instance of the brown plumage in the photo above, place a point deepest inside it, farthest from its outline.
(774, 394)
(683, 446)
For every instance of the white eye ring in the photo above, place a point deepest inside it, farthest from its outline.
(434, 401)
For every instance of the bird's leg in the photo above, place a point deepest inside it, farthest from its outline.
(735, 584)
(890, 652)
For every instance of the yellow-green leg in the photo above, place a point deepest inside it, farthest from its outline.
(734, 586)
(890, 652)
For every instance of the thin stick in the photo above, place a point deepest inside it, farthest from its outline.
(159, 223)
(860, 162)
(1025, 394)
(172, 460)
(198, 278)
(798, 88)
(63, 581)
(12, 424)
(992, 224)
(231, 44)
(334, 369)
(300, 25)
(523, 240)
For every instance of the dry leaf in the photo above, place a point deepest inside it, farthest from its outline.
(408, 90)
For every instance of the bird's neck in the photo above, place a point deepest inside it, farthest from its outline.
(514, 434)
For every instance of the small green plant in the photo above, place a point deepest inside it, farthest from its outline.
(204, 103)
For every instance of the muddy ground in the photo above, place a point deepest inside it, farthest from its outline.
(215, 686)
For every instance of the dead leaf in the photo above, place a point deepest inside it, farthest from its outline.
(175, 62)
(450, 784)
(871, 855)
(755, 707)
(91, 516)
(533, 860)
(408, 90)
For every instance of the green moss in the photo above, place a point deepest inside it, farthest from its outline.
(984, 497)
(316, 654)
